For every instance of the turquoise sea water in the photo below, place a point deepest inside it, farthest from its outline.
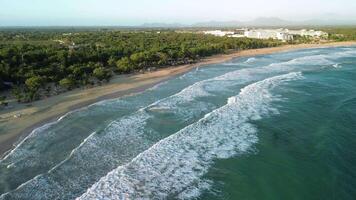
(279, 126)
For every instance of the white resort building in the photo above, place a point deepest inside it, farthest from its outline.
(310, 33)
(278, 34)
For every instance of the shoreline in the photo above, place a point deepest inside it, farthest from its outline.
(51, 109)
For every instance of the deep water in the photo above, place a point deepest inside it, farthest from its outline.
(278, 126)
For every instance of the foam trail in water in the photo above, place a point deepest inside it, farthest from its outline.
(174, 166)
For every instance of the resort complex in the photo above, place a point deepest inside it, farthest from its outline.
(279, 34)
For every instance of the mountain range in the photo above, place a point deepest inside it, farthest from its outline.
(258, 22)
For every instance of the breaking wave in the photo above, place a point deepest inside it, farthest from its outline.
(250, 60)
(337, 65)
(174, 166)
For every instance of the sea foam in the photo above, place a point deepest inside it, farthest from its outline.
(174, 166)
(250, 60)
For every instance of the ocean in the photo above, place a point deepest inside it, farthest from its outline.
(277, 126)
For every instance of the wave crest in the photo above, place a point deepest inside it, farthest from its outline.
(175, 165)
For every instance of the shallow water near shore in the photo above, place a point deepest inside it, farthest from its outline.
(277, 126)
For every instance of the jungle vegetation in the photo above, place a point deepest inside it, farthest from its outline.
(38, 63)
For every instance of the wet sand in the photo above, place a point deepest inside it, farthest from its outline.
(47, 110)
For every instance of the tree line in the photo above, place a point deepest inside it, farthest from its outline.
(340, 34)
(35, 64)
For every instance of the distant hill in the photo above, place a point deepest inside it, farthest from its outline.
(219, 24)
(269, 21)
(262, 21)
(258, 22)
(163, 25)
(329, 22)
(272, 22)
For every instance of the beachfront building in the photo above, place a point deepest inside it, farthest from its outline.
(309, 33)
(284, 36)
(277, 34)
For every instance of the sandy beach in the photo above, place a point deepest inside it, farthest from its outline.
(38, 113)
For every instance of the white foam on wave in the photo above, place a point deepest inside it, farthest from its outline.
(249, 74)
(337, 66)
(16, 153)
(104, 149)
(309, 60)
(230, 64)
(346, 53)
(236, 63)
(20, 152)
(321, 59)
(190, 74)
(157, 86)
(188, 94)
(250, 60)
(240, 76)
(107, 105)
(174, 166)
(220, 83)
(75, 150)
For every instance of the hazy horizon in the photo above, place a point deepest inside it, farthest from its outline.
(135, 13)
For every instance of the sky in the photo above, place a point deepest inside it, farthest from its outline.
(137, 12)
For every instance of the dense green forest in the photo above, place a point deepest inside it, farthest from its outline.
(341, 33)
(35, 63)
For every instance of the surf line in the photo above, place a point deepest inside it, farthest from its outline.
(175, 165)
